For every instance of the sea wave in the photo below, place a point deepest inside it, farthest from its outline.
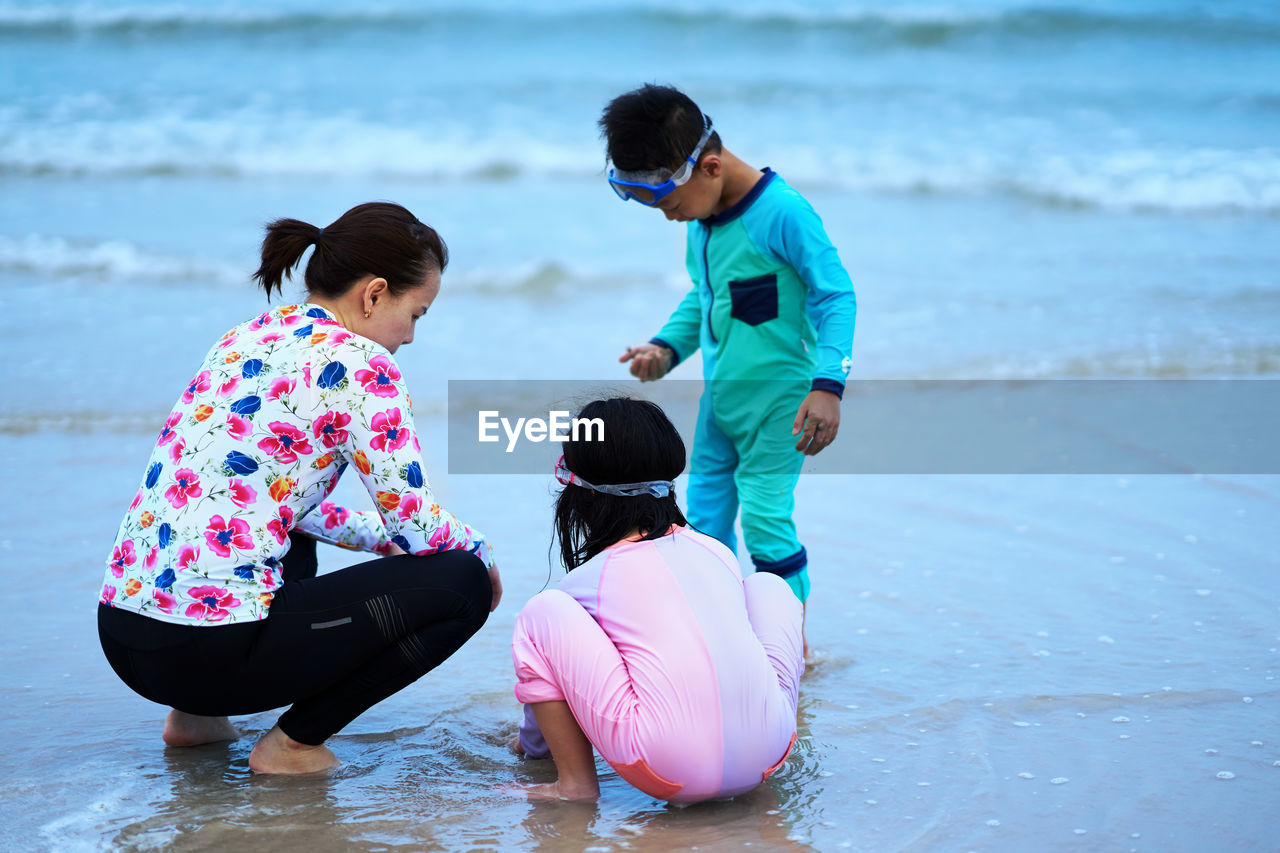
(111, 260)
(252, 145)
(912, 25)
(1175, 180)
(1170, 179)
(1255, 360)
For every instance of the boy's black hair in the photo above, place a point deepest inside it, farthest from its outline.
(653, 127)
(639, 444)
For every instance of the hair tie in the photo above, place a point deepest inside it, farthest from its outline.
(319, 234)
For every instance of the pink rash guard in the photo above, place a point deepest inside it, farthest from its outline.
(682, 675)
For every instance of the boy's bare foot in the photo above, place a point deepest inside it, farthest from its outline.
(183, 729)
(557, 790)
(276, 752)
(514, 745)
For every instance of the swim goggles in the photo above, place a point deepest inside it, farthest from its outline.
(649, 188)
(656, 488)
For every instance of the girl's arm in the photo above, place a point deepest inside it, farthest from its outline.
(575, 759)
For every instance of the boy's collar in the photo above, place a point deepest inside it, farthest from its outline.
(740, 206)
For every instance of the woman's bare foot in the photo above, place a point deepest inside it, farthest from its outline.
(183, 729)
(276, 752)
(557, 790)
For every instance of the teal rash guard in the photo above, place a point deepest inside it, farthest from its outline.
(770, 298)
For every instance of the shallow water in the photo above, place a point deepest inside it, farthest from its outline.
(1002, 662)
(1019, 189)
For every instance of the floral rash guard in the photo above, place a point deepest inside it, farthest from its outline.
(256, 442)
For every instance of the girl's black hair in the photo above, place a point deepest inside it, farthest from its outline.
(653, 127)
(376, 238)
(639, 444)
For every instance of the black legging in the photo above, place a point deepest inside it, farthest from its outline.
(332, 647)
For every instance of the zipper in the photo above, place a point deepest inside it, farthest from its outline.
(706, 277)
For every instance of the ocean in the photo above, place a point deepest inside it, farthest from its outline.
(1020, 191)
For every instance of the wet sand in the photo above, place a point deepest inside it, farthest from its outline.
(1003, 663)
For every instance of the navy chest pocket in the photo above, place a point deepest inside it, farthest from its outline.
(754, 300)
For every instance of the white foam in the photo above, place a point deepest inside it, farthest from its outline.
(109, 260)
(79, 136)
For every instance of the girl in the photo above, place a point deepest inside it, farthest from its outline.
(653, 650)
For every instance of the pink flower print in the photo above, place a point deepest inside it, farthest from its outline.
(270, 338)
(306, 374)
(108, 594)
(137, 499)
(176, 449)
(328, 429)
(123, 556)
(409, 506)
(339, 338)
(186, 485)
(223, 535)
(187, 555)
(229, 386)
(281, 387)
(334, 515)
(391, 436)
(263, 319)
(198, 386)
(149, 561)
(228, 339)
(164, 600)
(241, 493)
(441, 536)
(291, 320)
(167, 433)
(380, 380)
(280, 526)
(285, 442)
(211, 603)
(238, 427)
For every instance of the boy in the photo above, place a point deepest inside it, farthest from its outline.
(771, 307)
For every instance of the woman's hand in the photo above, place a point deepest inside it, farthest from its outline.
(496, 581)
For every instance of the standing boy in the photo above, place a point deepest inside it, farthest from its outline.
(771, 307)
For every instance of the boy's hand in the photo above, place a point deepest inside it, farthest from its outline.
(648, 361)
(819, 419)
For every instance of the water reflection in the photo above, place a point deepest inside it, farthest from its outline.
(624, 817)
(210, 790)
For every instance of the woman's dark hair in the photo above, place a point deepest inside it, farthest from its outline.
(639, 444)
(653, 127)
(376, 238)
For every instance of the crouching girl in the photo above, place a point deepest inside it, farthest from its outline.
(653, 649)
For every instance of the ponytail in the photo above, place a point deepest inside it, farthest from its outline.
(282, 249)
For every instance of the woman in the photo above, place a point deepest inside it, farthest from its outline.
(653, 650)
(205, 607)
